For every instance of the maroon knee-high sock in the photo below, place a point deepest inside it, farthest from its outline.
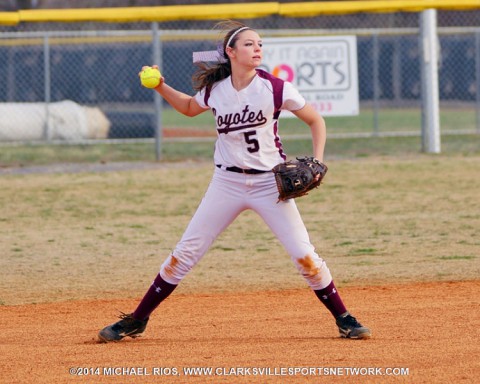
(331, 299)
(158, 291)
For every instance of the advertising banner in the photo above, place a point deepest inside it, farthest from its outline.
(323, 69)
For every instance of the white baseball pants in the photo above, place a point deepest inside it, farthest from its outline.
(229, 194)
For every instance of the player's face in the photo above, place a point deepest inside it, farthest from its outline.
(248, 49)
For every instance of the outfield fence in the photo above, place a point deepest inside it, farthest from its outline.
(66, 82)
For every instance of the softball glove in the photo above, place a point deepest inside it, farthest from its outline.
(296, 178)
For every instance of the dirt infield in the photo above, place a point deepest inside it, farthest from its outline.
(423, 333)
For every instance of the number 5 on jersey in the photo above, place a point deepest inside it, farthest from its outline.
(252, 141)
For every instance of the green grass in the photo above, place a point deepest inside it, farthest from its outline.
(402, 119)
(456, 258)
(180, 151)
(388, 120)
(90, 234)
(363, 251)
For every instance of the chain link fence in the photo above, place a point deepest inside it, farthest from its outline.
(77, 82)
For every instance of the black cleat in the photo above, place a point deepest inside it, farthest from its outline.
(127, 326)
(350, 328)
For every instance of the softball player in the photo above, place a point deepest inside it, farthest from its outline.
(246, 103)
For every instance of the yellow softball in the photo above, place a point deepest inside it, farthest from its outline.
(150, 77)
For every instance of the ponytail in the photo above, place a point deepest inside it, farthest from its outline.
(208, 74)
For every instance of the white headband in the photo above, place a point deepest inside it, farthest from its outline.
(234, 34)
(218, 55)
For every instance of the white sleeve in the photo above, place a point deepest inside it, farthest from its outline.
(292, 99)
(200, 98)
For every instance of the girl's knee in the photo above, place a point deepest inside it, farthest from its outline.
(314, 270)
(174, 269)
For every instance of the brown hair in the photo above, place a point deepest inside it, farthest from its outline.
(207, 73)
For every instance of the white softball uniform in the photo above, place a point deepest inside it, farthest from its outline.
(248, 142)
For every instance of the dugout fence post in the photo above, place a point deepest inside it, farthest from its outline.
(47, 86)
(477, 80)
(376, 85)
(429, 71)
(157, 99)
